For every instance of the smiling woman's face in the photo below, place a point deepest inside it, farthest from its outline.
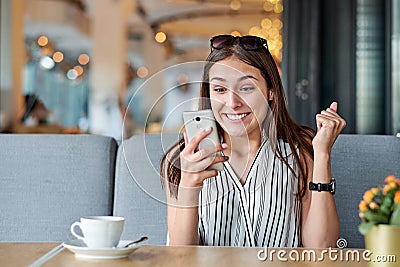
(239, 95)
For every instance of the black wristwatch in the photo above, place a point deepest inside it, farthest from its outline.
(323, 187)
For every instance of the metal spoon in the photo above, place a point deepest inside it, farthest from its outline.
(143, 238)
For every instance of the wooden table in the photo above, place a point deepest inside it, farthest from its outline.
(23, 254)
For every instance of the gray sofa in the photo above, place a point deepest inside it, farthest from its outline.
(49, 181)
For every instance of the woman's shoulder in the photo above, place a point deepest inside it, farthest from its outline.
(285, 148)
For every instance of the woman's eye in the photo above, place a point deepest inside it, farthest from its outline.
(219, 89)
(246, 89)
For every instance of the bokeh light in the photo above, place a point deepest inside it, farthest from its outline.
(142, 72)
(72, 74)
(266, 23)
(83, 59)
(160, 37)
(79, 70)
(236, 33)
(278, 8)
(235, 4)
(42, 40)
(47, 63)
(58, 57)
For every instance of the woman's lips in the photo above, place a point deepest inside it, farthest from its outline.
(237, 116)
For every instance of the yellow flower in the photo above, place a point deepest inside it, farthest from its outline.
(386, 188)
(390, 179)
(368, 196)
(373, 206)
(375, 190)
(362, 206)
(380, 204)
(397, 197)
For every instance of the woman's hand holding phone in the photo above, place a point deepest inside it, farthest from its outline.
(201, 158)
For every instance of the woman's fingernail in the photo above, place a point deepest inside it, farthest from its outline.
(208, 129)
(224, 145)
(226, 157)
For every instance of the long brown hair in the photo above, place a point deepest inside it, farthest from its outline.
(281, 125)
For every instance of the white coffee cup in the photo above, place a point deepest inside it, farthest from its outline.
(100, 231)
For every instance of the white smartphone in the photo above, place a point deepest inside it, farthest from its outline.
(197, 121)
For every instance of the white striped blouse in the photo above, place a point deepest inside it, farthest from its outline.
(264, 211)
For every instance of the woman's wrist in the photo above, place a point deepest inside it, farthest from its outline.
(187, 197)
(321, 155)
(322, 168)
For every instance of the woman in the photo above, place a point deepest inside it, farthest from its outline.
(263, 196)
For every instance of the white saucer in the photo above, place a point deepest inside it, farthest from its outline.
(82, 251)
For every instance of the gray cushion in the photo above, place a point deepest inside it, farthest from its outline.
(360, 162)
(139, 196)
(49, 181)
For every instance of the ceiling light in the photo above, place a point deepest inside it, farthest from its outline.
(42, 40)
(268, 6)
(255, 30)
(160, 37)
(83, 59)
(266, 23)
(236, 33)
(72, 74)
(58, 56)
(277, 24)
(79, 70)
(235, 5)
(278, 8)
(47, 63)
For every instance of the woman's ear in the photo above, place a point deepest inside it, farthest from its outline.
(270, 95)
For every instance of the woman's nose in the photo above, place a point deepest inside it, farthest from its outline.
(233, 100)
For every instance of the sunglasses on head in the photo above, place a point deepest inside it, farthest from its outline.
(247, 42)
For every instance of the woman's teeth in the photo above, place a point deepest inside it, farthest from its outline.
(236, 117)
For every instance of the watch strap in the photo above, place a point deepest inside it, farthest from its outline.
(330, 187)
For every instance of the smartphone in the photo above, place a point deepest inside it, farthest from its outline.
(197, 121)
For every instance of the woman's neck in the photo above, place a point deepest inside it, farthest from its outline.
(243, 145)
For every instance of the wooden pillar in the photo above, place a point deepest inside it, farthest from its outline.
(12, 59)
(18, 55)
(108, 58)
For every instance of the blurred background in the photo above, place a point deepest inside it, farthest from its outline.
(122, 67)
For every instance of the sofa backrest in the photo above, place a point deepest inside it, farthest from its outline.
(360, 162)
(48, 181)
(139, 196)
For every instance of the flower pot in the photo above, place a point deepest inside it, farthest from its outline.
(384, 243)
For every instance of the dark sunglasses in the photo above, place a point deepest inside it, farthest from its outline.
(247, 42)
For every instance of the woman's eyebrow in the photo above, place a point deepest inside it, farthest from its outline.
(240, 79)
(218, 79)
(247, 77)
